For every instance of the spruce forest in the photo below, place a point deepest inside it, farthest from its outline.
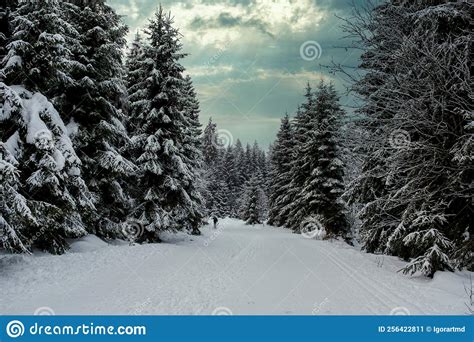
(100, 136)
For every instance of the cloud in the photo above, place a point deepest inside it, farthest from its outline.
(131, 8)
(244, 55)
(227, 20)
(206, 22)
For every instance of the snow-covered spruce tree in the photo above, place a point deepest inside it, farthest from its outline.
(138, 68)
(228, 171)
(6, 7)
(229, 175)
(15, 214)
(254, 202)
(241, 177)
(4, 23)
(194, 215)
(300, 169)
(425, 213)
(371, 186)
(39, 60)
(279, 172)
(440, 163)
(138, 82)
(220, 191)
(49, 172)
(38, 55)
(259, 162)
(209, 144)
(95, 103)
(159, 139)
(215, 184)
(264, 163)
(352, 141)
(321, 172)
(216, 196)
(255, 162)
(247, 160)
(322, 191)
(239, 157)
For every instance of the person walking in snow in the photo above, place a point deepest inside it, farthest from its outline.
(215, 220)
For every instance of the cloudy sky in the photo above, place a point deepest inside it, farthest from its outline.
(250, 59)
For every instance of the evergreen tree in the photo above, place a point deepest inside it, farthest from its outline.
(209, 144)
(254, 164)
(38, 55)
(138, 68)
(254, 204)
(215, 182)
(279, 173)
(49, 171)
(159, 138)
(38, 59)
(215, 196)
(258, 162)
(138, 82)
(300, 168)
(372, 185)
(249, 167)
(193, 157)
(95, 103)
(323, 189)
(240, 174)
(15, 213)
(415, 182)
(263, 168)
(316, 172)
(227, 170)
(6, 8)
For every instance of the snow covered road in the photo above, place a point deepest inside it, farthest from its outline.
(236, 269)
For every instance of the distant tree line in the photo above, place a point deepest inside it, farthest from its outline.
(236, 177)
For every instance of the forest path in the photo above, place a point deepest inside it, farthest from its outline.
(237, 269)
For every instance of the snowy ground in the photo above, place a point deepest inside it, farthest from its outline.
(236, 269)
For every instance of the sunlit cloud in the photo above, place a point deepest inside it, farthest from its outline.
(209, 22)
(244, 55)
